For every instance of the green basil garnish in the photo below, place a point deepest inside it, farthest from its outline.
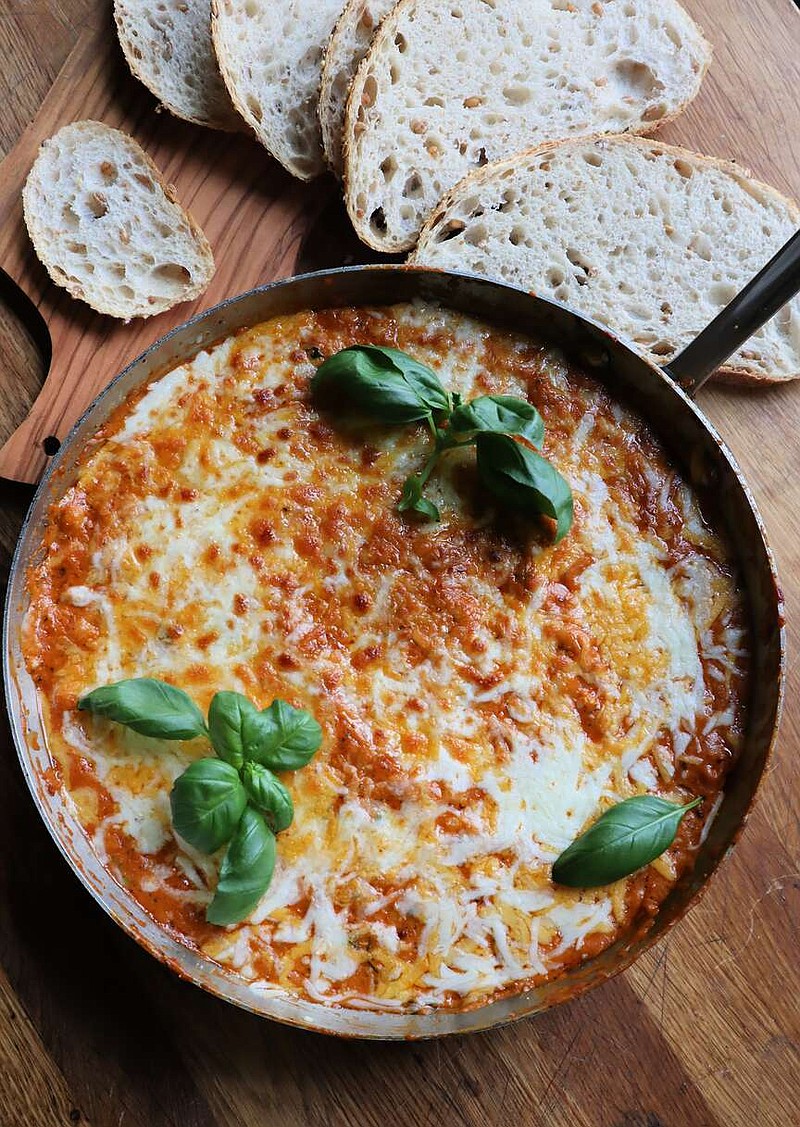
(383, 384)
(228, 716)
(231, 798)
(148, 706)
(207, 801)
(501, 414)
(245, 872)
(281, 737)
(269, 795)
(392, 387)
(625, 838)
(412, 501)
(524, 479)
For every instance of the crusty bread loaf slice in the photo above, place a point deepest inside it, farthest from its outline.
(107, 227)
(645, 238)
(168, 47)
(446, 88)
(270, 53)
(347, 46)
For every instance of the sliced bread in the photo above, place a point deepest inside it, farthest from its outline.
(107, 227)
(168, 47)
(270, 53)
(647, 239)
(347, 46)
(446, 88)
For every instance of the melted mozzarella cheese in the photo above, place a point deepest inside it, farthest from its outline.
(484, 695)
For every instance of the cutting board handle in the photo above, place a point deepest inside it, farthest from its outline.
(34, 430)
(14, 298)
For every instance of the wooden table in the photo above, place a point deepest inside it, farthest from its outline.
(703, 1031)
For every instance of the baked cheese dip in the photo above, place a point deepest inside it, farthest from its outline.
(484, 693)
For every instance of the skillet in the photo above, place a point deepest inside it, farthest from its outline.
(663, 397)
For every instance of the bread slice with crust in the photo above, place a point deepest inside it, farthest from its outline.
(446, 88)
(270, 53)
(107, 227)
(347, 46)
(168, 47)
(648, 239)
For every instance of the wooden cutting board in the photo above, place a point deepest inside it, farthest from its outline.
(261, 224)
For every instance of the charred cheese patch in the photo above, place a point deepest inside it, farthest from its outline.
(483, 694)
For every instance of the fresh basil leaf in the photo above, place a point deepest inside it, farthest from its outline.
(269, 794)
(502, 414)
(412, 501)
(228, 717)
(281, 737)
(523, 479)
(245, 872)
(381, 383)
(207, 801)
(422, 378)
(148, 706)
(623, 839)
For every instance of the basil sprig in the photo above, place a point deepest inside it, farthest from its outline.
(501, 414)
(268, 793)
(207, 801)
(235, 799)
(229, 718)
(524, 479)
(148, 706)
(246, 870)
(383, 384)
(282, 738)
(412, 501)
(625, 838)
(388, 386)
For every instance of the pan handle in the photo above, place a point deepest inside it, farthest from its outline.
(760, 299)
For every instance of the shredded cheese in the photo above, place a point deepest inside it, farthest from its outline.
(483, 694)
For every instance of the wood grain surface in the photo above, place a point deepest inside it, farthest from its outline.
(262, 225)
(704, 1031)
